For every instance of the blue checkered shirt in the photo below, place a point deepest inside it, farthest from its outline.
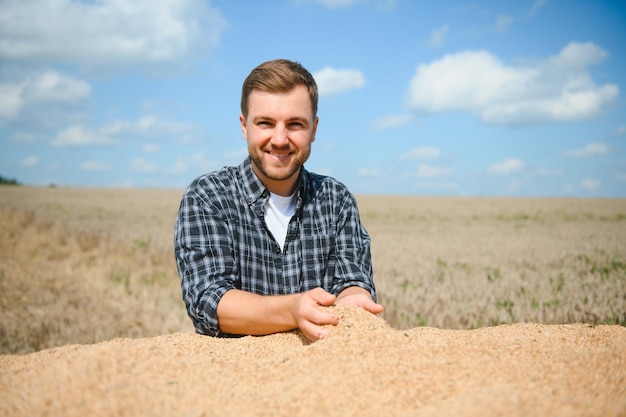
(221, 242)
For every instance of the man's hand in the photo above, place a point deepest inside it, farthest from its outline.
(308, 315)
(359, 297)
(242, 312)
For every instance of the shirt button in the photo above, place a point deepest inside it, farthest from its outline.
(277, 249)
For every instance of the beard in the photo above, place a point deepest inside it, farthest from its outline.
(277, 171)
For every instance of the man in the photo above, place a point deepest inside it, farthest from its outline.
(259, 247)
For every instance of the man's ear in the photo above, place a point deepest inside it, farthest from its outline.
(244, 127)
(314, 129)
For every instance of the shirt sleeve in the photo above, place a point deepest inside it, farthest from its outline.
(352, 253)
(204, 259)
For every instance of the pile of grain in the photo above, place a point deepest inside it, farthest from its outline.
(364, 368)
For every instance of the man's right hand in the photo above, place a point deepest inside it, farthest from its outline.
(242, 312)
(309, 318)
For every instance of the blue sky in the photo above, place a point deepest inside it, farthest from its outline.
(485, 98)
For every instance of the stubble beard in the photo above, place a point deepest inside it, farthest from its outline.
(283, 172)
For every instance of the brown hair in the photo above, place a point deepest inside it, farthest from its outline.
(278, 76)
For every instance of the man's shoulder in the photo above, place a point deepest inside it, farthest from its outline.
(324, 185)
(214, 183)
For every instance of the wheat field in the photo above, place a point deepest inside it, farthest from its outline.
(88, 265)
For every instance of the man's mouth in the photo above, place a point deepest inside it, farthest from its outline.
(280, 156)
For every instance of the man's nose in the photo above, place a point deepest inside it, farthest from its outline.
(280, 136)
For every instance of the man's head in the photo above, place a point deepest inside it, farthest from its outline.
(279, 121)
(278, 76)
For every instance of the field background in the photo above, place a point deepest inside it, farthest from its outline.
(87, 265)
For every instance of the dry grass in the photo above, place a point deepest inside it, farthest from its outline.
(472, 262)
(83, 265)
(68, 276)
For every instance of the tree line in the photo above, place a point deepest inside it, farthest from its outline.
(8, 181)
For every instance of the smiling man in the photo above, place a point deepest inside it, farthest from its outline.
(260, 246)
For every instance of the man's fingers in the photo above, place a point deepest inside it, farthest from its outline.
(310, 318)
(322, 297)
(314, 332)
(363, 301)
(373, 307)
(323, 317)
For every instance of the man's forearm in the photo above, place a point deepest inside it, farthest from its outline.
(241, 312)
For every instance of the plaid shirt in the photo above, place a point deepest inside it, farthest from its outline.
(221, 242)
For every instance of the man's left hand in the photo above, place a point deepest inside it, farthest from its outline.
(359, 297)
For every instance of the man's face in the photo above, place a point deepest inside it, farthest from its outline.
(279, 129)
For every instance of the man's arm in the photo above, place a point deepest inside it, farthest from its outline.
(241, 312)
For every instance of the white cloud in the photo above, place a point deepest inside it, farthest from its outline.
(106, 33)
(336, 4)
(325, 171)
(198, 163)
(120, 130)
(11, 102)
(147, 125)
(324, 146)
(428, 171)
(151, 148)
(339, 4)
(142, 165)
(426, 152)
(391, 122)
(537, 6)
(78, 135)
(369, 172)
(619, 131)
(332, 81)
(95, 166)
(592, 149)
(508, 166)
(236, 154)
(556, 89)
(590, 184)
(545, 172)
(30, 162)
(503, 22)
(180, 165)
(36, 89)
(438, 36)
(53, 87)
(577, 56)
(22, 137)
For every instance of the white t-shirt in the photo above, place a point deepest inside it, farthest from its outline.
(278, 212)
